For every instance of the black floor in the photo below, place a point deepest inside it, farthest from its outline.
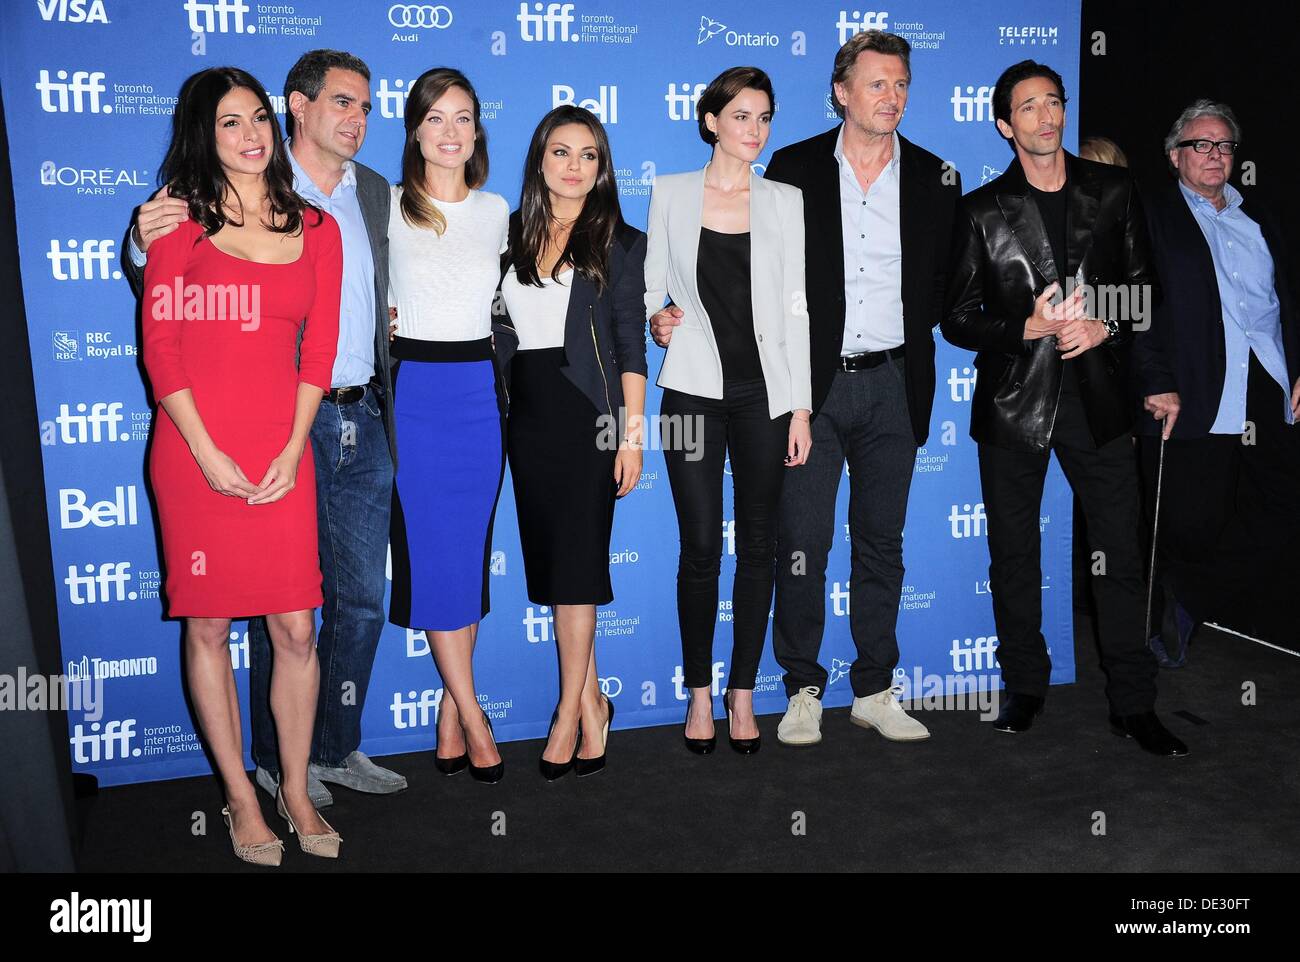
(967, 799)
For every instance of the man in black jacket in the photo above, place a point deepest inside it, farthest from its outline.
(875, 272)
(1052, 377)
(1225, 343)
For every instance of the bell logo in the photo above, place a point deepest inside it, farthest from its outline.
(77, 95)
(605, 106)
(860, 21)
(975, 104)
(218, 16)
(75, 513)
(550, 23)
(72, 11)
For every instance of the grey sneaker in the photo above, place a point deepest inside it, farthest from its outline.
(802, 724)
(320, 795)
(882, 712)
(360, 774)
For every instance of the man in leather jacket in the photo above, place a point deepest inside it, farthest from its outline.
(1053, 377)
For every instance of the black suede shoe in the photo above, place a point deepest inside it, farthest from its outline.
(1018, 712)
(1147, 730)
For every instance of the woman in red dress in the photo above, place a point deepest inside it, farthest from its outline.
(226, 297)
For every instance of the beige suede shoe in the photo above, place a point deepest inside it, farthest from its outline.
(882, 712)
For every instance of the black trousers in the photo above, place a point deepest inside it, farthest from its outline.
(1229, 516)
(1105, 479)
(738, 426)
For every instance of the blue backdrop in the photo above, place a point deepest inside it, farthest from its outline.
(89, 87)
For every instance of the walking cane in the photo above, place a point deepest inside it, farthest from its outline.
(1155, 531)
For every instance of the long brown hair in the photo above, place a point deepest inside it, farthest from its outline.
(587, 250)
(418, 208)
(194, 172)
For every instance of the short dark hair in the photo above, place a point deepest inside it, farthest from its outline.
(887, 43)
(724, 89)
(308, 76)
(1014, 75)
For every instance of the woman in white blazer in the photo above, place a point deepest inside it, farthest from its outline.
(727, 248)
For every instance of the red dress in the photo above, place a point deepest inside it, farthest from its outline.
(226, 328)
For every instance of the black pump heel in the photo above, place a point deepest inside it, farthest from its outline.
(744, 746)
(590, 766)
(490, 774)
(700, 746)
(553, 770)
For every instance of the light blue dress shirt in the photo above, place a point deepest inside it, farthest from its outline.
(355, 362)
(873, 256)
(1243, 268)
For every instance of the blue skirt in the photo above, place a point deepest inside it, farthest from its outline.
(449, 418)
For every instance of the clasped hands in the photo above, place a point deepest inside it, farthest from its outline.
(1075, 331)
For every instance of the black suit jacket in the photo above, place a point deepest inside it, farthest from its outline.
(1002, 260)
(604, 333)
(928, 197)
(375, 200)
(1184, 350)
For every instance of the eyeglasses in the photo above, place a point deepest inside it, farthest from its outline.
(1226, 147)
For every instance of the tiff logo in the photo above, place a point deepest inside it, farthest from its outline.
(605, 106)
(548, 26)
(961, 386)
(841, 603)
(88, 263)
(975, 104)
(98, 425)
(108, 584)
(219, 16)
(63, 95)
(968, 522)
(539, 627)
(72, 11)
(681, 106)
(74, 512)
(861, 20)
(974, 654)
(679, 680)
(414, 710)
(392, 100)
(93, 746)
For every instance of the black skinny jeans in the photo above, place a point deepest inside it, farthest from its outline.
(739, 425)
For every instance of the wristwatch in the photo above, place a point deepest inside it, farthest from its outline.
(1112, 328)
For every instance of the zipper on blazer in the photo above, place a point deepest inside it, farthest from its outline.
(591, 314)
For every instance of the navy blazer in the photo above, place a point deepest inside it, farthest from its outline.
(604, 333)
(1183, 350)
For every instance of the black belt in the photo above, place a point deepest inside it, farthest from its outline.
(869, 359)
(347, 395)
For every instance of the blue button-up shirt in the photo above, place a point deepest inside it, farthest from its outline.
(1243, 268)
(873, 256)
(355, 361)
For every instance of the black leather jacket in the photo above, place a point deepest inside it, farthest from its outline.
(1002, 260)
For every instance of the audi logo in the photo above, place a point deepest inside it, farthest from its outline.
(416, 15)
(611, 686)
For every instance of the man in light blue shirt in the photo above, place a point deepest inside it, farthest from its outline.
(328, 98)
(1224, 376)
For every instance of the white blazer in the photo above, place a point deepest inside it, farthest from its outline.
(776, 270)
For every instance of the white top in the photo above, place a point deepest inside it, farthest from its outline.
(538, 313)
(443, 286)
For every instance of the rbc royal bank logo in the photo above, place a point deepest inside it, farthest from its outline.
(550, 22)
(75, 92)
(420, 15)
(72, 11)
(976, 104)
(861, 20)
(67, 345)
(218, 16)
(604, 105)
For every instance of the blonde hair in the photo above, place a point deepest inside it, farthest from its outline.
(1103, 150)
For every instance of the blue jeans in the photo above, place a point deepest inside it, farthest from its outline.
(354, 486)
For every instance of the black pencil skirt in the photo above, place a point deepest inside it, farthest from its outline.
(563, 480)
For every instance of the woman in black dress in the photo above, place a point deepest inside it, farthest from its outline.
(572, 343)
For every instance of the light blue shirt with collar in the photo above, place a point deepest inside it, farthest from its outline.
(1243, 267)
(355, 361)
(873, 256)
